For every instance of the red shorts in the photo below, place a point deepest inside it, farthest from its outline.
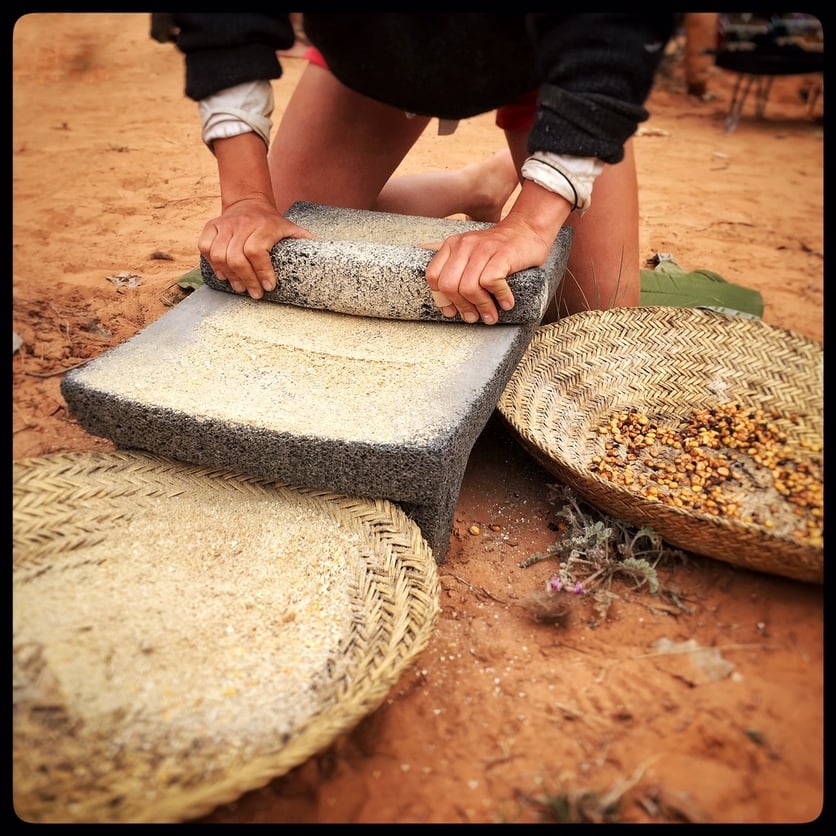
(517, 115)
(313, 55)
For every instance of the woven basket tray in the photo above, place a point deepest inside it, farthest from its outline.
(668, 363)
(185, 635)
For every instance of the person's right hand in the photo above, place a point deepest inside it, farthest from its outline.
(237, 244)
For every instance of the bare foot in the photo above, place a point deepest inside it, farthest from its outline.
(492, 183)
(478, 191)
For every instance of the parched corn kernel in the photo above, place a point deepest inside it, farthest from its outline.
(695, 464)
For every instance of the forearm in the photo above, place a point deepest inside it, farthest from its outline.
(242, 169)
(542, 211)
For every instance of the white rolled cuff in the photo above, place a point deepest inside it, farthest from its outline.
(245, 108)
(570, 177)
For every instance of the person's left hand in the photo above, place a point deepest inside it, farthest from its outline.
(469, 273)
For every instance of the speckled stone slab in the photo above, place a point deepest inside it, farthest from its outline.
(372, 264)
(359, 405)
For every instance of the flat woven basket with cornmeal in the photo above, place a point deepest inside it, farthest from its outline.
(581, 377)
(184, 635)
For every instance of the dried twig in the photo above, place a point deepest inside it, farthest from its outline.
(56, 373)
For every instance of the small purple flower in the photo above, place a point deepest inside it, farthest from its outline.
(555, 584)
(578, 588)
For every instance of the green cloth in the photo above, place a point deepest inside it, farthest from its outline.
(191, 280)
(671, 286)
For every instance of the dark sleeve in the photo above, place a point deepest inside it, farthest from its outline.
(222, 50)
(597, 70)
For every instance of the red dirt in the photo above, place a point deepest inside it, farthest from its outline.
(500, 710)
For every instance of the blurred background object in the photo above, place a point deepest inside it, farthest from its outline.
(759, 47)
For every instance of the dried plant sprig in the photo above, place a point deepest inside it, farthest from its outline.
(593, 549)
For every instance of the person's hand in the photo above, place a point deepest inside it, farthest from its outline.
(469, 273)
(237, 244)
